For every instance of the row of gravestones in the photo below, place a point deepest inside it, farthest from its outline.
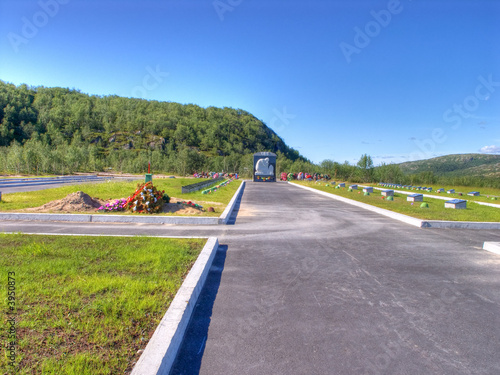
(454, 203)
(429, 189)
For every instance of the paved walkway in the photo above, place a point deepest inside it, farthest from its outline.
(303, 284)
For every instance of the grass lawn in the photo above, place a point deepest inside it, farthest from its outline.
(489, 195)
(120, 189)
(436, 210)
(86, 305)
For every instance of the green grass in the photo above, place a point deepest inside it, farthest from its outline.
(486, 193)
(436, 210)
(120, 189)
(86, 305)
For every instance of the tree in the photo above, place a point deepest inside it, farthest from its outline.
(365, 165)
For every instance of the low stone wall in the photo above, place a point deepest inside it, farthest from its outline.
(200, 185)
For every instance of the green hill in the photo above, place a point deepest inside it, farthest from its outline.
(460, 165)
(66, 131)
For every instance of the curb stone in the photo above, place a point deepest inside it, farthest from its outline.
(224, 218)
(161, 350)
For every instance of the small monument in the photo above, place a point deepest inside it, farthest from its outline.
(353, 187)
(368, 189)
(415, 198)
(149, 175)
(388, 193)
(473, 193)
(451, 191)
(264, 167)
(456, 203)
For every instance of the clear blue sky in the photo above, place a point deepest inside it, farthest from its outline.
(399, 80)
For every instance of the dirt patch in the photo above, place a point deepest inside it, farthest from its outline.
(181, 209)
(82, 202)
(74, 202)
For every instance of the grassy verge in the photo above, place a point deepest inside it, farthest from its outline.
(489, 195)
(86, 305)
(120, 189)
(436, 210)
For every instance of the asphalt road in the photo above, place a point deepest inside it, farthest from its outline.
(303, 284)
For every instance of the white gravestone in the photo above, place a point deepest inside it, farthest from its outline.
(415, 198)
(456, 204)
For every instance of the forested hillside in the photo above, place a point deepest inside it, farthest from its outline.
(460, 165)
(57, 130)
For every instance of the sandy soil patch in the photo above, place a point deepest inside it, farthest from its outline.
(82, 202)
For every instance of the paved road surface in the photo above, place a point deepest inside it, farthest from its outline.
(303, 284)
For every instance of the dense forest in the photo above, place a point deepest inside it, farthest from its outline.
(56, 130)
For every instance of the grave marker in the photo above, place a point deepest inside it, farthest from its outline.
(388, 193)
(415, 198)
(456, 204)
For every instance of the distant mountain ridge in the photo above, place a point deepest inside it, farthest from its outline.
(456, 165)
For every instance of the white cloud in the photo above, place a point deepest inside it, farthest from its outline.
(490, 149)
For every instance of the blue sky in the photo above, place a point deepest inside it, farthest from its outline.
(399, 80)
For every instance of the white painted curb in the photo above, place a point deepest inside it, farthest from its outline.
(460, 224)
(224, 218)
(161, 351)
(494, 247)
(45, 217)
(408, 219)
(105, 218)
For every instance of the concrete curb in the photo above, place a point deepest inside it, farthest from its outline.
(110, 218)
(494, 247)
(460, 224)
(408, 219)
(15, 216)
(105, 218)
(154, 219)
(224, 218)
(161, 351)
